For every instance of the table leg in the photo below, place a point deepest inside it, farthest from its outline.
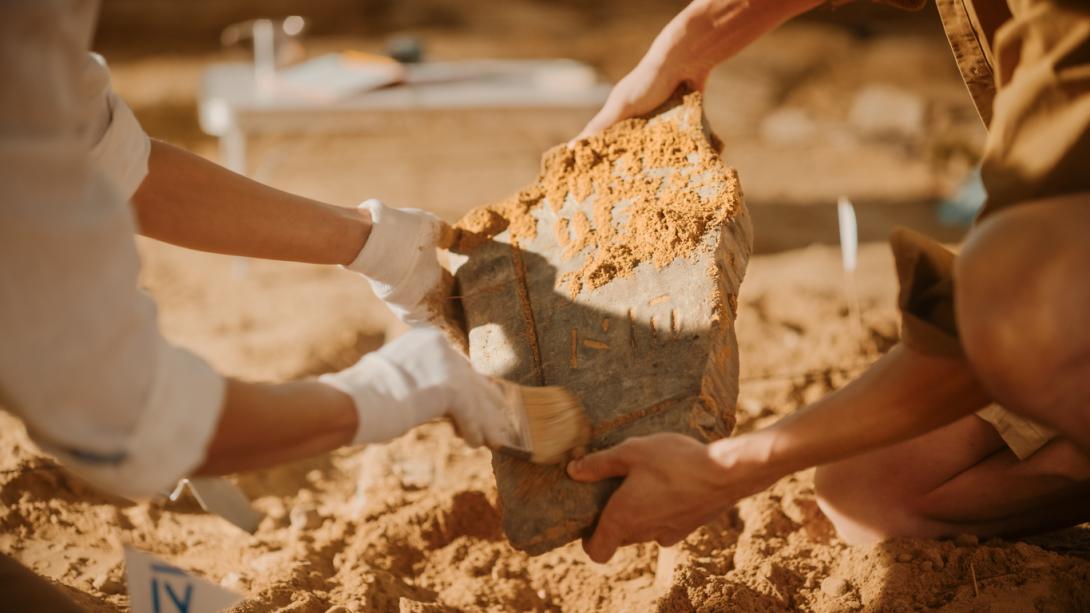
(233, 150)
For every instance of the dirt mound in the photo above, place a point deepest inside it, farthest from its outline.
(414, 525)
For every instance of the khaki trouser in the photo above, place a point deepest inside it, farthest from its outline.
(1026, 64)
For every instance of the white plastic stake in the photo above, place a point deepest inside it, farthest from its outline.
(849, 233)
(264, 57)
(220, 496)
(158, 587)
(849, 254)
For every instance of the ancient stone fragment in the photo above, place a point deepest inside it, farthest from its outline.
(615, 275)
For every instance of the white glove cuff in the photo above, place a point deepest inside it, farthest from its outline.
(395, 243)
(380, 391)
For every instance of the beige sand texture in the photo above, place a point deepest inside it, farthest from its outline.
(615, 275)
(415, 525)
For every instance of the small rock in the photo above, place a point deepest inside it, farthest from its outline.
(935, 557)
(967, 540)
(271, 506)
(107, 584)
(305, 518)
(415, 473)
(1026, 549)
(111, 515)
(835, 586)
(704, 419)
(904, 557)
(749, 406)
(141, 517)
(268, 563)
(801, 510)
(899, 606)
(233, 581)
(405, 605)
(814, 392)
(271, 523)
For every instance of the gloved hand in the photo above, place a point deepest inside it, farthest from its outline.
(399, 260)
(420, 377)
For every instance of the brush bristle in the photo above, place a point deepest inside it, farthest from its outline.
(557, 424)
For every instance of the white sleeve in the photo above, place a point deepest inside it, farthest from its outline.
(82, 362)
(119, 145)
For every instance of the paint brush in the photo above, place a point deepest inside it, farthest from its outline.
(548, 423)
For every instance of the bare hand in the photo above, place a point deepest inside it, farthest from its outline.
(638, 93)
(673, 485)
(699, 37)
(651, 82)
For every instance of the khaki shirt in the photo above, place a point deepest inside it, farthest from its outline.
(1026, 64)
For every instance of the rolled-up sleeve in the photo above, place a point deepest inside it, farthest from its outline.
(925, 270)
(120, 146)
(82, 362)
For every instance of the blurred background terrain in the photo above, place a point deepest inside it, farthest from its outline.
(861, 100)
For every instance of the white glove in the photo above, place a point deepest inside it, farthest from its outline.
(420, 377)
(399, 259)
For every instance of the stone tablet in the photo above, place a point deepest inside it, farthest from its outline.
(615, 275)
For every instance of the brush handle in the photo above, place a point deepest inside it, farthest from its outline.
(515, 414)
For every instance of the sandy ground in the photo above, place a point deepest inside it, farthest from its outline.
(414, 525)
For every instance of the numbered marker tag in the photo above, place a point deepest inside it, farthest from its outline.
(158, 587)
